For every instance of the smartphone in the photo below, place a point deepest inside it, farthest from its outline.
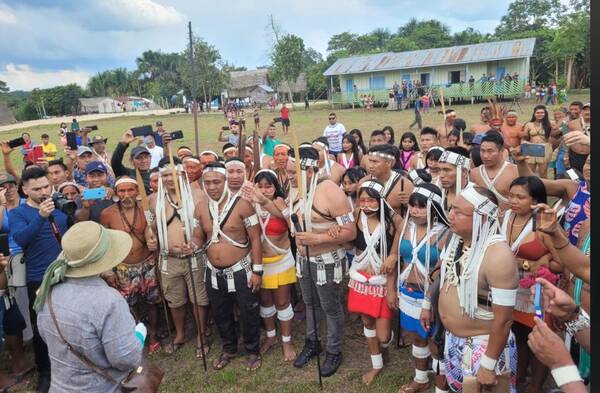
(4, 248)
(176, 135)
(72, 140)
(468, 137)
(533, 149)
(225, 128)
(534, 219)
(91, 128)
(537, 301)
(16, 142)
(277, 119)
(94, 193)
(142, 131)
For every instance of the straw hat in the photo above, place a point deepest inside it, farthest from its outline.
(87, 238)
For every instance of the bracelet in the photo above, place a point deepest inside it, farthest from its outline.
(487, 362)
(581, 322)
(561, 247)
(257, 268)
(566, 374)
(426, 305)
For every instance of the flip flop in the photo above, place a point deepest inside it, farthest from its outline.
(23, 373)
(223, 360)
(154, 347)
(175, 347)
(253, 359)
(200, 353)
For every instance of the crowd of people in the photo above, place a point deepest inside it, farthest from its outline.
(451, 233)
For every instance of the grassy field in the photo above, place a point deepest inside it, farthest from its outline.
(184, 373)
(307, 124)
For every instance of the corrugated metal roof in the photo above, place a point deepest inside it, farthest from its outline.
(489, 51)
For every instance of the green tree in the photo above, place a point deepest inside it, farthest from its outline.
(426, 33)
(469, 36)
(400, 44)
(3, 87)
(289, 60)
(530, 15)
(569, 42)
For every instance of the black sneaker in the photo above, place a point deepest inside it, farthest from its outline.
(43, 383)
(310, 350)
(331, 364)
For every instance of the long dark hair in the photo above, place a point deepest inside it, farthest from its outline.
(272, 180)
(534, 186)
(419, 200)
(412, 137)
(391, 130)
(545, 121)
(361, 142)
(355, 174)
(388, 213)
(354, 148)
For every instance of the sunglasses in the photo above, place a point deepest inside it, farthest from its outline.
(332, 118)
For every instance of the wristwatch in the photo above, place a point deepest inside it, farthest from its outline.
(581, 322)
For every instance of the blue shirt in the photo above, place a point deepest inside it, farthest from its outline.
(34, 234)
(14, 247)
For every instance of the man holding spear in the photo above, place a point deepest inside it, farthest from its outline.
(182, 270)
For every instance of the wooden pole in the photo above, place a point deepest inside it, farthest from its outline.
(194, 103)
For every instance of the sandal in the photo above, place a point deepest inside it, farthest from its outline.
(252, 361)
(223, 360)
(174, 347)
(200, 353)
(410, 389)
(154, 347)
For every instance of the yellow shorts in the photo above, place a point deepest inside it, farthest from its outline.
(275, 272)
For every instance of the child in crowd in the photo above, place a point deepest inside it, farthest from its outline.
(408, 147)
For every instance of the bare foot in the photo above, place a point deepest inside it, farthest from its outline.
(369, 376)
(289, 352)
(415, 387)
(267, 344)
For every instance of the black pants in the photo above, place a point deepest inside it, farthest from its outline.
(222, 302)
(40, 349)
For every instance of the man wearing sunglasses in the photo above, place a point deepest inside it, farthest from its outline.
(334, 132)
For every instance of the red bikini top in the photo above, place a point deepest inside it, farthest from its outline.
(532, 250)
(276, 226)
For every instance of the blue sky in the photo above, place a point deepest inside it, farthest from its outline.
(44, 43)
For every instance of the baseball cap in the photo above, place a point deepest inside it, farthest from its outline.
(83, 149)
(139, 150)
(7, 178)
(587, 105)
(477, 139)
(96, 166)
(98, 138)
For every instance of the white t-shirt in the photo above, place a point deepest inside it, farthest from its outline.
(335, 134)
(157, 154)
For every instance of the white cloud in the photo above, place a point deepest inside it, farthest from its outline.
(141, 13)
(23, 77)
(6, 16)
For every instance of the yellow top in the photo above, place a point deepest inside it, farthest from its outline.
(49, 150)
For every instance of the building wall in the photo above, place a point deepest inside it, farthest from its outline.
(438, 75)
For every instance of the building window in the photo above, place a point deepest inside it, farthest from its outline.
(454, 76)
(377, 83)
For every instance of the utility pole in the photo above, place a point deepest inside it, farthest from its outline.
(194, 104)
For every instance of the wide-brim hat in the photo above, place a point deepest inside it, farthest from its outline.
(84, 239)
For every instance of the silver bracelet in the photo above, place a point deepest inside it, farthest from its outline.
(577, 325)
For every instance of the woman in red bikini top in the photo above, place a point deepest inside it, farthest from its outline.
(278, 262)
(535, 256)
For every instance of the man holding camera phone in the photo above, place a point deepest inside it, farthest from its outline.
(140, 158)
(37, 226)
(99, 194)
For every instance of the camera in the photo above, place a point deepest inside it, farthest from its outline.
(63, 204)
